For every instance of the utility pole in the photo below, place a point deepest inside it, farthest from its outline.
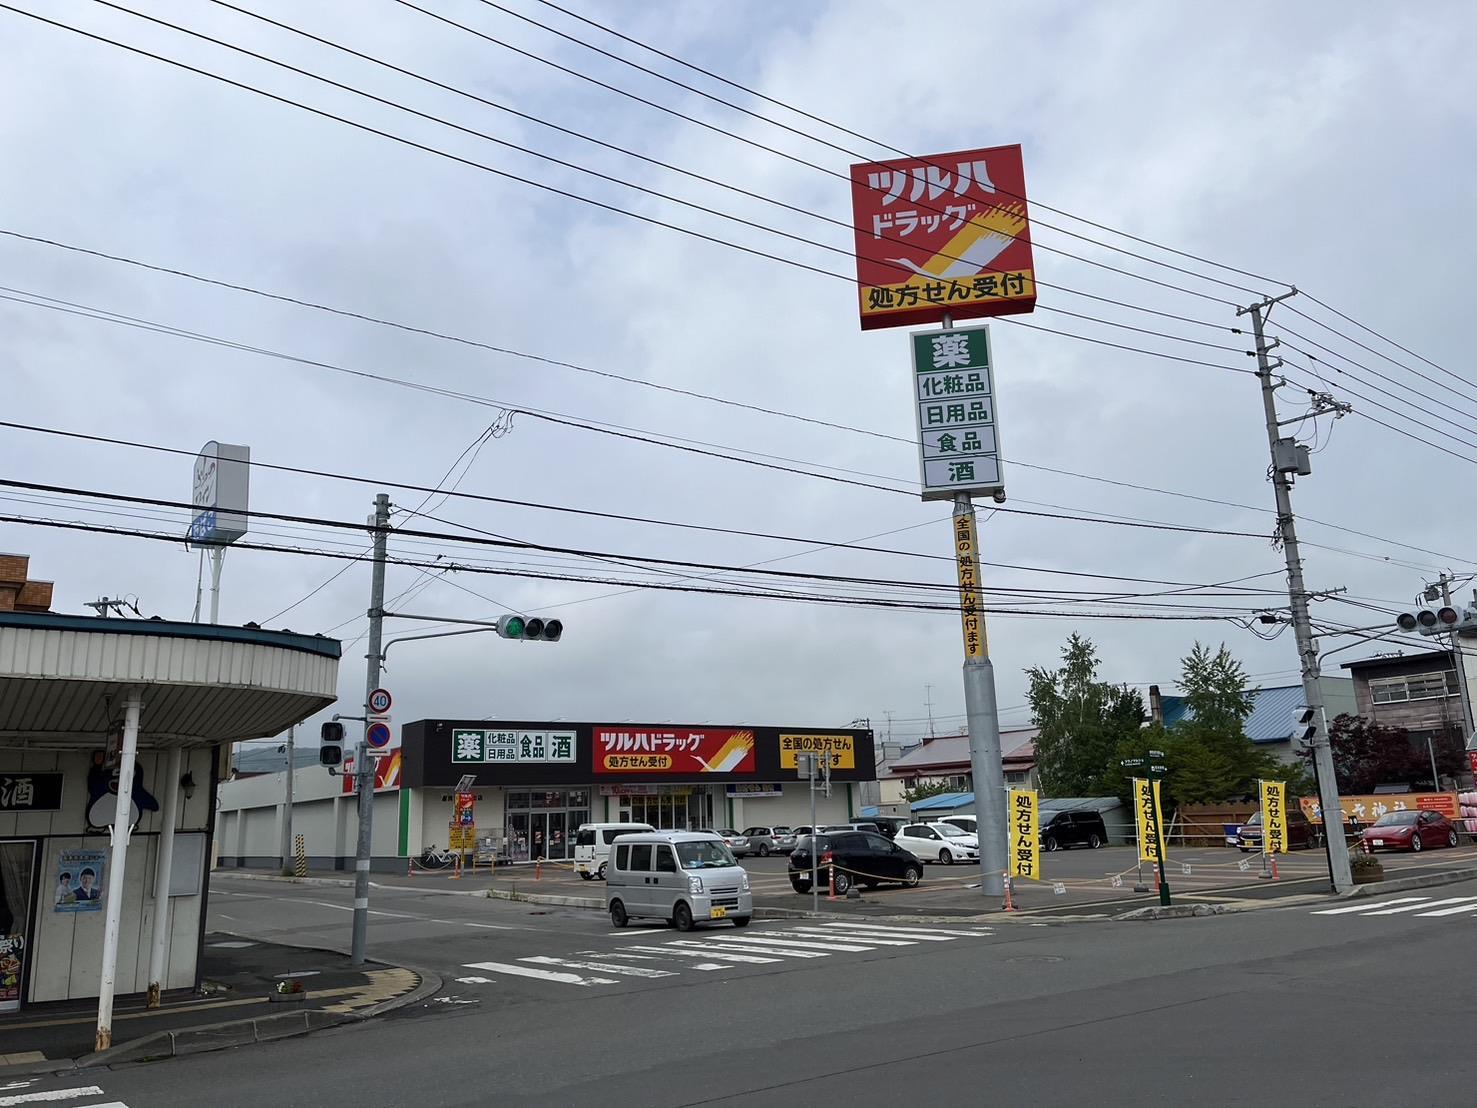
(928, 700)
(287, 867)
(364, 767)
(1459, 660)
(1284, 462)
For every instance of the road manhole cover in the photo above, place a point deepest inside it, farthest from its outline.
(1037, 958)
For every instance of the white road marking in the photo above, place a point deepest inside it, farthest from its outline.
(845, 936)
(542, 975)
(474, 981)
(902, 933)
(1448, 911)
(726, 956)
(489, 926)
(786, 939)
(601, 967)
(1428, 904)
(774, 948)
(625, 954)
(50, 1095)
(1368, 907)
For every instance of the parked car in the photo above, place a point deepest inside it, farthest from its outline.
(938, 842)
(1075, 827)
(765, 841)
(592, 843)
(1301, 832)
(860, 825)
(965, 823)
(1409, 830)
(736, 841)
(683, 877)
(888, 825)
(860, 857)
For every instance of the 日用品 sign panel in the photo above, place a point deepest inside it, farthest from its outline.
(944, 234)
(686, 750)
(954, 391)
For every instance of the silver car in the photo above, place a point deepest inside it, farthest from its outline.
(765, 841)
(683, 877)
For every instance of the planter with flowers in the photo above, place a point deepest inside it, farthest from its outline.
(288, 992)
(1365, 868)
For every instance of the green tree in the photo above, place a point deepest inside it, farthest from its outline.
(926, 788)
(1082, 722)
(1211, 759)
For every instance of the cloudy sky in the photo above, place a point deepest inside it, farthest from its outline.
(1326, 145)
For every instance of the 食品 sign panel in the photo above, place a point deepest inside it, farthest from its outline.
(686, 750)
(947, 234)
(954, 390)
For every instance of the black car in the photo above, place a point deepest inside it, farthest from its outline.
(1078, 827)
(860, 857)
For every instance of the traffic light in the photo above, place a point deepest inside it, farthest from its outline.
(331, 744)
(529, 628)
(1304, 724)
(1438, 621)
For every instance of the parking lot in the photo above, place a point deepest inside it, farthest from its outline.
(1074, 882)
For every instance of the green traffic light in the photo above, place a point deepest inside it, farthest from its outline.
(514, 627)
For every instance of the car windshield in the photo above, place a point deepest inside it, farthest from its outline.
(949, 831)
(782, 831)
(704, 855)
(1397, 819)
(1255, 820)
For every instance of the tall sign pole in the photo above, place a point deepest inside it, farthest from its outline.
(364, 767)
(1285, 461)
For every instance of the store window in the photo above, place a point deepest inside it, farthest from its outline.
(541, 824)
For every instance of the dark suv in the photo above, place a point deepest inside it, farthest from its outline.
(860, 857)
(1079, 827)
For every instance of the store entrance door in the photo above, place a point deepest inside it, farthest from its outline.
(17, 911)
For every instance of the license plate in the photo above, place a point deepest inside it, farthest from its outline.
(1378, 842)
(717, 913)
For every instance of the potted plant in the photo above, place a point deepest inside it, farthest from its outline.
(1366, 868)
(287, 992)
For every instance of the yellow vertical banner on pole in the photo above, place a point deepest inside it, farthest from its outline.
(1145, 809)
(1274, 817)
(966, 553)
(1025, 852)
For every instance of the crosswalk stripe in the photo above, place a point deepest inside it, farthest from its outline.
(600, 967)
(624, 954)
(1368, 907)
(725, 956)
(1426, 904)
(759, 947)
(542, 975)
(49, 1095)
(848, 936)
(1449, 911)
(784, 942)
(929, 936)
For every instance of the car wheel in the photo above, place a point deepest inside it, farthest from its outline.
(764, 850)
(946, 856)
(1093, 841)
(1244, 849)
(800, 886)
(1451, 839)
(600, 873)
(1049, 843)
(1416, 845)
(842, 882)
(682, 916)
(587, 875)
(741, 921)
(618, 914)
(912, 875)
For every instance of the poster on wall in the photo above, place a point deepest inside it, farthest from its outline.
(688, 750)
(79, 881)
(11, 947)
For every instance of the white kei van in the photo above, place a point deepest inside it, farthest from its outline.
(592, 845)
(683, 877)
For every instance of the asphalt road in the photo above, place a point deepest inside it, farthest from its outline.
(1369, 1005)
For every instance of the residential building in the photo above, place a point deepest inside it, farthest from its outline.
(946, 759)
(1419, 692)
(1272, 722)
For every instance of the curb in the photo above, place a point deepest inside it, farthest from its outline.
(231, 1033)
(1424, 881)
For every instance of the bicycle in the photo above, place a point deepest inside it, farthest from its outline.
(434, 858)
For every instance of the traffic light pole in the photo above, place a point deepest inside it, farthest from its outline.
(1458, 658)
(364, 767)
(1328, 792)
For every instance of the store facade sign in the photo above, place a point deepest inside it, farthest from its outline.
(687, 750)
(954, 397)
(840, 748)
(1367, 809)
(750, 789)
(470, 747)
(946, 234)
(30, 792)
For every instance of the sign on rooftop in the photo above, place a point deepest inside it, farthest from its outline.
(219, 494)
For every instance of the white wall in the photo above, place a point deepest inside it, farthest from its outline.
(66, 947)
(328, 820)
(792, 809)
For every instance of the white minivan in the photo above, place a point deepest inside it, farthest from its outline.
(683, 877)
(592, 845)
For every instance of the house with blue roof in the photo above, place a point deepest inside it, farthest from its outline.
(1271, 723)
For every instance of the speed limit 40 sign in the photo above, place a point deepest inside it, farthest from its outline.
(380, 701)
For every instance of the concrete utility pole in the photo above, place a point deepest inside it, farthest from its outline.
(1458, 659)
(364, 767)
(287, 804)
(1282, 465)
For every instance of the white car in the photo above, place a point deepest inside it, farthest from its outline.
(938, 842)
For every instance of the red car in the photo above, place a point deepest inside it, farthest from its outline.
(1409, 830)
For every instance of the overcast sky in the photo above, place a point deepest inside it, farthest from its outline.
(1328, 145)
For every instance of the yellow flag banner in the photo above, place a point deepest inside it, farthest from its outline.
(1145, 809)
(1274, 817)
(1025, 851)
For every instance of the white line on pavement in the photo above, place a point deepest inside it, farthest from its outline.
(542, 975)
(600, 967)
(902, 933)
(1367, 907)
(775, 948)
(845, 936)
(725, 956)
(1428, 904)
(50, 1095)
(786, 939)
(1448, 911)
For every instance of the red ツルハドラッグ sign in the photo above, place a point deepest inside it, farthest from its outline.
(678, 750)
(946, 234)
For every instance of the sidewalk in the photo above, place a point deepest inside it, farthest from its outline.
(234, 1008)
